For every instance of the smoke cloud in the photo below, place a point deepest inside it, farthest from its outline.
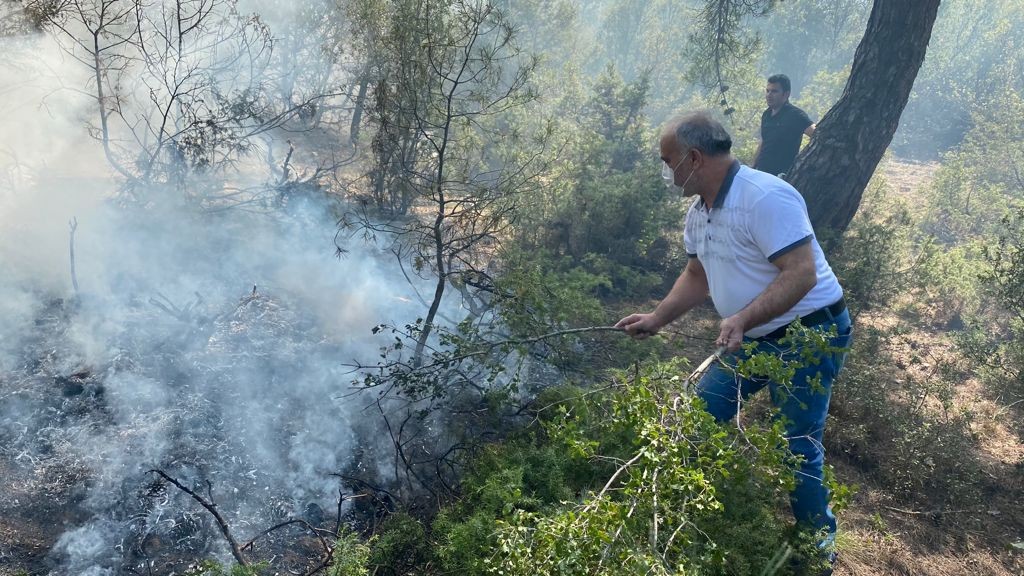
(210, 345)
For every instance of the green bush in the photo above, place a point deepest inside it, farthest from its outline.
(996, 344)
(605, 209)
(679, 493)
(351, 555)
(522, 474)
(982, 179)
(873, 260)
(399, 547)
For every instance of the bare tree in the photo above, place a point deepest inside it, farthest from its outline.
(182, 88)
(445, 155)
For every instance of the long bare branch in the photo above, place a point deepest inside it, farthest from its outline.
(212, 509)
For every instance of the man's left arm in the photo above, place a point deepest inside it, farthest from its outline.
(797, 275)
(809, 131)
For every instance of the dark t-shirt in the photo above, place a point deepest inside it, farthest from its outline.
(780, 138)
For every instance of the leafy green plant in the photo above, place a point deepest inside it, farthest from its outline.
(999, 350)
(606, 211)
(873, 259)
(981, 179)
(351, 556)
(399, 546)
(680, 493)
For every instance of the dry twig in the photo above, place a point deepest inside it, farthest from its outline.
(212, 509)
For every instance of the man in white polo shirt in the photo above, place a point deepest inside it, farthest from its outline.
(751, 245)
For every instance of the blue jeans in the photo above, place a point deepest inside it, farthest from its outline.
(803, 408)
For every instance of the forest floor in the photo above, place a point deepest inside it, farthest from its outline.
(971, 539)
(972, 531)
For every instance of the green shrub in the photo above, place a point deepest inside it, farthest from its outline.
(679, 492)
(996, 344)
(351, 555)
(606, 210)
(522, 474)
(873, 261)
(981, 180)
(400, 546)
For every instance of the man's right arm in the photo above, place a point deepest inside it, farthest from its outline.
(689, 290)
(757, 155)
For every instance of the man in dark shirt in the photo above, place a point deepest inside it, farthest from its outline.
(782, 126)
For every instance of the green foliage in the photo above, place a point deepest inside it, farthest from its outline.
(399, 547)
(351, 555)
(984, 176)
(607, 211)
(827, 32)
(1005, 277)
(444, 75)
(681, 494)
(873, 260)
(822, 92)
(978, 211)
(521, 475)
(946, 285)
(722, 49)
(974, 57)
(539, 290)
(997, 342)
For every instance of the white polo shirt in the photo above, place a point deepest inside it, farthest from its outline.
(755, 219)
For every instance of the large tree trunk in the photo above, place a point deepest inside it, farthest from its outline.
(834, 169)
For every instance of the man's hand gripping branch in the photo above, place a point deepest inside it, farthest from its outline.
(689, 290)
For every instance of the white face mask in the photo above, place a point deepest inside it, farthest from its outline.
(669, 176)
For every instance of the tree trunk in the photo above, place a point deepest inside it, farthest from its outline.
(357, 112)
(833, 171)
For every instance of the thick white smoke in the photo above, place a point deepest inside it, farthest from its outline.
(213, 346)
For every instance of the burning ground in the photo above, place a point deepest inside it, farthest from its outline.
(213, 345)
(212, 348)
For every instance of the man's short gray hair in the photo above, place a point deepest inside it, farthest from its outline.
(701, 131)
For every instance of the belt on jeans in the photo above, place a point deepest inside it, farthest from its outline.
(813, 319)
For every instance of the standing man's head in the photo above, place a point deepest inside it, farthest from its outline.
(695, 147)
(776, 93)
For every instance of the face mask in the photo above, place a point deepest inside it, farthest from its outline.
(669, 176)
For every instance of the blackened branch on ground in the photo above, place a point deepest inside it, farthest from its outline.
(212, 509)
